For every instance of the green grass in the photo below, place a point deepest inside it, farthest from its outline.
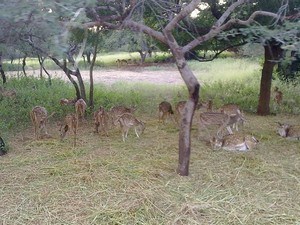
(106, 181)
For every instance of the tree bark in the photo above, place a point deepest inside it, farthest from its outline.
(193, 87)
(1, 70)
(24, 64)
(92, 64)
(272, 55)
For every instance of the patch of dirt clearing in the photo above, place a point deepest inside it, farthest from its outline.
(153, 75)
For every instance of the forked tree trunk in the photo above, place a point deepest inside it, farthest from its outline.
(272, 55)
(187, 117)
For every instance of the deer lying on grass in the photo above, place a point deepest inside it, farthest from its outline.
(221, 120)
(231, 109)
(101, 119)
(70, 122)
(117, 111)
(80, 107)
(39, 117)
(8, 93)
(234, 142)
(278, 95)
(165, 111)
(66, 101)
(291, 132)
(126, 121)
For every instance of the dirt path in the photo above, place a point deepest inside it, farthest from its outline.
(154, 75)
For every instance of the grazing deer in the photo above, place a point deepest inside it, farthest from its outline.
(121, 62)
(221, 120)
(8, 93)
(70, 122)
(80, 107)
(66, 101)
(234, 142)
(278, 95)
(231, 109)
(101, 119)
(291, 132)
(39, 117)
(165, 110)
(126, 121)
(117, 111)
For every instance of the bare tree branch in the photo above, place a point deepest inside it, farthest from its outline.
(217, 30)
(183, 13)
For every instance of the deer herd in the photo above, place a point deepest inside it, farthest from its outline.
(226, 120)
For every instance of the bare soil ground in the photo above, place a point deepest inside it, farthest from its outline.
(164, 75)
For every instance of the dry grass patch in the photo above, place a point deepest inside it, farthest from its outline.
(107, 181)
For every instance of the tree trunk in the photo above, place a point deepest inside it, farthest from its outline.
(68, 72)
(88, 57)
(91, 102)
(81, 84)
(42, 68)
(1, 70)
(187, 117)
(272, 55)
(24, 64)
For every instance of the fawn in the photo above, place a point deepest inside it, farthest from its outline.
(291, 132)
(101, 119)
(39, 117)
(70, 122)
(231, 109)
(80, 107)
(234, 142)
(165, 110)
(221, 120)
(126, 121)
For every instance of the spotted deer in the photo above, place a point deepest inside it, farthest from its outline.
(117, 111)
(234, 142)
(221, 120)
(8, 93)
(231, 109)
(39, 117)
(126, 121)
(205, 106)
(66, 101)
(291, 132)
(165, 111)
(278, 95)
(80, 107)
(101, 120)
(70, 122)
(179, 108)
